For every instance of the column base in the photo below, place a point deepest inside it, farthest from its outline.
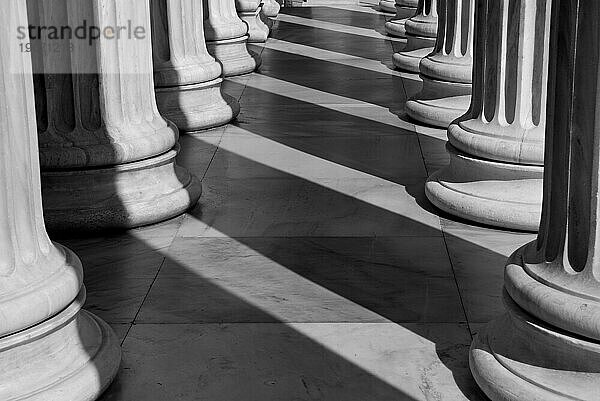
(124, 196)
(72, 356)
(396, 28)
(270, 8)
(519, 357)
(494, 193)
(439, 102)
(234, 56)
(197, 107)
(258, 31)
(387, 6)
(410, 58)
(268, 21)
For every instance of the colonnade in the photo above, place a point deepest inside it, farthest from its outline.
(516, 83)
(91, 126)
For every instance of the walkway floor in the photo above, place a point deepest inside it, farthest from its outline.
(313, 268)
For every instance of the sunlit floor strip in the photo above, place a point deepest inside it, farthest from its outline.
(363, 8)
(338, 58)
(332, 26)
(337, 177)
(342, 104)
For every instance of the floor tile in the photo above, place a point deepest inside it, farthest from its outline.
(479, 255)
(394, 158)
(323, 207)
(304, 280)
(295, 362)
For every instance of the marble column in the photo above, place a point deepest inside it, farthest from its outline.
(226, 38)
(388, 6)
(107, 155)
(249, 12)
(547, 345)
(50, 348)
(447, 71)
(404, 10)
(497, 148)
(268, 11)
(421, 32)
(187, 78)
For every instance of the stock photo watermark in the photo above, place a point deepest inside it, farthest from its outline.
(62, 43)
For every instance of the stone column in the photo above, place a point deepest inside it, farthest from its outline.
(447, 71)
(249, 12)
(187, 78)
(404, 10)
(421, 32)
(388, 6)
(497, 148)
(547, 345)
(268, 11)
(107, 156)
(50, 349)
(226, 38)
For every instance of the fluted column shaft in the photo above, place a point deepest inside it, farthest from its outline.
(107, 155)
(500, 139)
(404, 10)
(249, 12)
(549, 341)
(226, 38)
(447, 70)
(421, 32)
(49, 347)
(187, 78)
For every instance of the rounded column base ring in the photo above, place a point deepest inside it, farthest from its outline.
(519, 357)
(488, 192)
(234, 56)
(123, 196)
(197, 107)
(72, 356)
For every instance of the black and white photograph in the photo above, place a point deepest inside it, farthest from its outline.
(300, 200)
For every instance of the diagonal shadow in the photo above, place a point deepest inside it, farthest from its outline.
(312, 73)
(338, 16)
(339, 42)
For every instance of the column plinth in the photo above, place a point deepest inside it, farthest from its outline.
(50, 349)
(421, 32)
(547, 346)
(268, 11)
(249, 12)
(226, 38)
(388, 6)
(404, 10)
(447, 71)
(98, 121)
(505, 122)
(187, 78)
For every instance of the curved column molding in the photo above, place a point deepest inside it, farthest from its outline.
(447, 71)
(268, 11)
(404, 10)
(187, 78)
(501, 137)
(50, 349)
(249, 12)
(388, 6)
(421, 32)
(107, 156)
(226, 38)
(547, 347)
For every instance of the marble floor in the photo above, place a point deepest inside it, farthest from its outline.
(313, 267)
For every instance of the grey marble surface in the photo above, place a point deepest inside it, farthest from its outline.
(313, 267)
